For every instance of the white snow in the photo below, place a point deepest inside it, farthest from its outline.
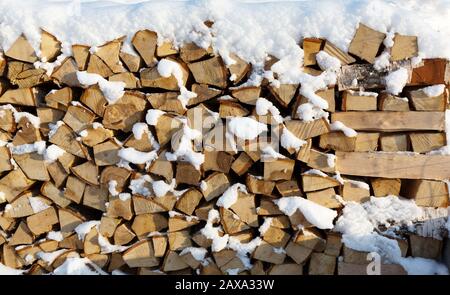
(289, 140)
(315, 214)
(243, 250)
(124, 196)
(35, 121)
(139, 185)
(37, 204)
(53, 128)
(161, 188)
(247, 28)
(245, 127)
(183, 150)
(167, 68)
(84, 228)
(9, 271)
(52, 153)
(327, 62)
(38, 146)
(435, 90)
(279, 250)
(106, 247)
(396, 80)
(49, 257)
(55, 235)
(309, 112)
(197, 253)
(152, 116)
(382, 62)
(78, 266)
(358, 184)
(112, 90)
(264, 107)
(331, 160)
(359, 222)
(339, 126)
(137, 157)
(203, 185)
(265, 226)
(315, 172)
(139, 129)
(230, 196)
(112, 188)
(269, 153)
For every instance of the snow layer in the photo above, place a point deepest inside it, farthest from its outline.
(245, 127)
(317, 215)
(78, 266)
(112, 90)
(239, 25)
(359, 225)
(396, 80)
(339, 126)
(230, 196)
(435, 90)
(167, 68)
(137, 157)
(289, 140)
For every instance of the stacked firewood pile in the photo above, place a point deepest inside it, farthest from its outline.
(107, 157)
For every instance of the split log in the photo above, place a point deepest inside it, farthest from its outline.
(404, 47)
(22, 50)
(140, 254)
(366, 42)
(422, 102)
(423, 142)
(145, 44)
(278, 169)
(326, 198)
(353, 101)
(258, 185)
(384, 187)
(50, 47)
(43, 221)
(431, 71)
(388, 102)
(284, 93)
(81, 56)
(310, 48)
(394, 142)
(334, 51)
(211, 71)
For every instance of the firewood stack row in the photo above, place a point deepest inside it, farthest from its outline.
(103, 156)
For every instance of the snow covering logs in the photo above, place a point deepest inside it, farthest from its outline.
(170, 161)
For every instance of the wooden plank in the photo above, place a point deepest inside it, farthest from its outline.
(393, 165)
(391, 121)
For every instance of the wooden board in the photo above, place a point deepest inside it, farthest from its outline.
(391, 121)
(393, 165)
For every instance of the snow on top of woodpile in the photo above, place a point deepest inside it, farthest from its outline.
(251, 29)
